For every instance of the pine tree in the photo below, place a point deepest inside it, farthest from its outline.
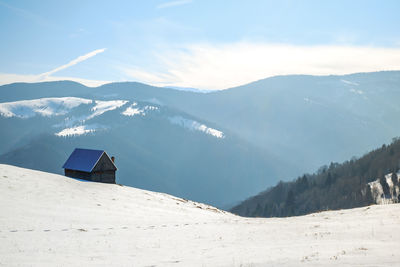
(289, 203)
(258, 211)
(328, 180)
(385, 186)
(395, 179)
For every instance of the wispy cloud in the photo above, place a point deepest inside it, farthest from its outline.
(6, 78)
(174, 3)
(73, 62)
(208, 66)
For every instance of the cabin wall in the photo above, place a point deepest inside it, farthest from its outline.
(78, 174)
(99, 176)
(104, 177)
(104, 164)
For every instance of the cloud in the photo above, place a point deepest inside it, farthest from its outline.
(174, 3)
(208, 66)
(7, 78)
(73, 62)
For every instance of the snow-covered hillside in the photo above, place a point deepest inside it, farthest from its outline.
(51, 220)
(378, 193)
(57, 106)
(166, 149)
(53, 106)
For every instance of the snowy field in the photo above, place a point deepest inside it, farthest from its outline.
(51, 220)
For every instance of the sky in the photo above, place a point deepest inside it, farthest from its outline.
(204, 44)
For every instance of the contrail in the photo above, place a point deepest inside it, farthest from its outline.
(73, 62)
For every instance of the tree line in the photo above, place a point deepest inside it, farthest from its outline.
(337, 186)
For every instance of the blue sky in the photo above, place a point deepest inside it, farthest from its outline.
(194, 43)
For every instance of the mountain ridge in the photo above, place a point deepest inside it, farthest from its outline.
(300, 121)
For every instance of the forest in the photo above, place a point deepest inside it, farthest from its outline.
(337, 186)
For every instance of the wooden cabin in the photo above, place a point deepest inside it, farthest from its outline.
(91, 165)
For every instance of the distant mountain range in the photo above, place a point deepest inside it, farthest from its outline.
(219, 147)
(155, 147)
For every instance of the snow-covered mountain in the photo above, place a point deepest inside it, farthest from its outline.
(307, 120)
(248, 137)
(57, 106)
(48, 219)
(156, 147)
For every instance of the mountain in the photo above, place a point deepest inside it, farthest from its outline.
(155, 146)
(273, 129)
(48, 219)
(373, 178)
(308, 120)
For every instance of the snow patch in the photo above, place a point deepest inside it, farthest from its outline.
(46, 107)
(150, 108)
(133, 110)
(71, 121)
(378, 194)
(104, 106)
(195, 126)
(78, 130)
(349, 82)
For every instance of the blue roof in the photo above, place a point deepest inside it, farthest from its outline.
(83, 159)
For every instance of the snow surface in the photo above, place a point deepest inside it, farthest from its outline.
(43, 106)
(104, 106)
(50, 220)
(133, 110)
(150, 108)
(78, 130)
(195, 126)
(349, 82)
(377, 191)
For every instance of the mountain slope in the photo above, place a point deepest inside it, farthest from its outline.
(274, 128)
(156, 147)
(307, 120)
(49, 219)
(354, 183)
